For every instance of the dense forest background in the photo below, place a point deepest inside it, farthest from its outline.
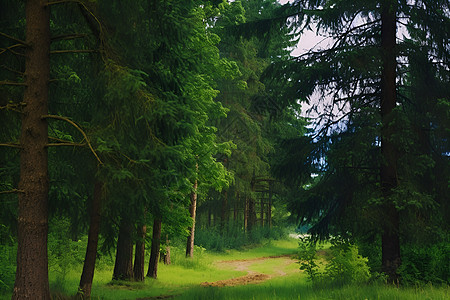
(133, 126)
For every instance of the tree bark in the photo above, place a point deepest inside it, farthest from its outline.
(269, 206)
(192, 211)
(236, 208)
(32, 262)
(251, 214)
(139, 255)
(154, 254)
(209, 216)
(390, 241)
(251, 205)
(166, 257)
(224, 211)
(87, 275)
(123, 267)
(246, 214)
(262, 210)
(167, 260)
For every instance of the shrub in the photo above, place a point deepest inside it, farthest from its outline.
(7, 267)
(63, 253)
(178, 257)
(425, 264)
(346, 265)
(308, 256)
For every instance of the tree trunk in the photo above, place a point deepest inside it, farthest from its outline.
(251, 205)
(209, 216)
(32, 262)
(139, 255)
(236, 208)
(224, 211)
(87, 275)
(166, 257)
(269, 206)
(167, 260)
(251, 214)
(123, 267)
(246, 214)
(192, 211)
(390, 242)
(154, 254)
(262, 211)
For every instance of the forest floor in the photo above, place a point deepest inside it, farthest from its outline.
(277, 266)
(265, 272)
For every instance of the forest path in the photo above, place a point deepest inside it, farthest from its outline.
(258, 269)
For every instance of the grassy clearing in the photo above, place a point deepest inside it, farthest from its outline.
(270, 248)
(276, 266)
(184, 276)
(295, 286)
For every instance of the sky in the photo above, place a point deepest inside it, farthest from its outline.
(308, 40)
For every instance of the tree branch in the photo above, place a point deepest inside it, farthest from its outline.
(12, 145)
(78, 128)
(12, 191)
(12, 70)
(72, 51)
(3, 50)
(12, 83)
(68, 37)
(84, 10)
(61, 1)
(14, 39)
(12, 107)
(66, 144)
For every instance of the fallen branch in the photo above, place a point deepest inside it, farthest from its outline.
(78, 128)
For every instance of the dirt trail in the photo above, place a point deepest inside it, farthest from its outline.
(251, 277)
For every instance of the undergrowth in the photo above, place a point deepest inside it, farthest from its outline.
(219, 238)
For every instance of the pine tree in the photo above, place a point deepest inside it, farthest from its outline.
(32, 262)
(361, 73)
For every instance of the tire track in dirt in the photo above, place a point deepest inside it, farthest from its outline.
(251, 277)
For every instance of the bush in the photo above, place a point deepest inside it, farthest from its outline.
(346, 265)
(308, 259)
(7, 267)
(63, 253)
(425, 264)
(178, 257)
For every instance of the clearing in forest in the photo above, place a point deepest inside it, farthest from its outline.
(258, 269)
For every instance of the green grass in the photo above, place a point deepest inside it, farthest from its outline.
(273, 266)
(184, 276)
(270, 248)
(295, 286)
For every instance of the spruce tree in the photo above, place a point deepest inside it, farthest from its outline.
(360, 74)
